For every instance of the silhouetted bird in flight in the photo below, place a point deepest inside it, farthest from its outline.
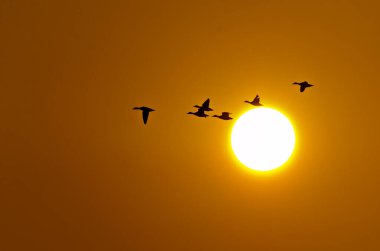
(224, 116)
(145, 112)
(303, 85)
(255, 101)
(199, 113)
(205, 106)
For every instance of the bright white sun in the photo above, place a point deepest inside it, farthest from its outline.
(263, 139)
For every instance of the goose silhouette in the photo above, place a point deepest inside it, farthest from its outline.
(255, 101)
(303, 85)
(224, 116)
(205, 106)
(145, 112)
(200, 113)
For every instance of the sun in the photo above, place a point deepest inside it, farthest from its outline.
(263, 139)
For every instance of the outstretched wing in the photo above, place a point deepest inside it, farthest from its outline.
(145, 116)
(206, 104)
(257, 99)
(302, 88)
(225, 113)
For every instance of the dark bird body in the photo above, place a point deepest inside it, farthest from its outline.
(303, 85)
(224, 116)
(200, 113)
(255, 101)
(145, 112)
(205, 106)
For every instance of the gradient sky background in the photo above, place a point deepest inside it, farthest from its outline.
(80, 171)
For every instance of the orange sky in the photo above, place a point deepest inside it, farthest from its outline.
(80, 171)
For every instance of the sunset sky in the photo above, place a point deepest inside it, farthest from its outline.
(80, 171)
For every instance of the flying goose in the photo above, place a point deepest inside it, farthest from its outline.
(303, 85)
(205, 106)
(224, 116)
(255, 101)
(145, 112)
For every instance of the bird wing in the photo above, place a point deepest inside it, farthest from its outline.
(206, 103)
(302, 88)
(257, 99)
(201, 111)
(225, 113)
(145, 116)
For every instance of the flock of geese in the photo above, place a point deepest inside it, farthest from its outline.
(205, 107)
